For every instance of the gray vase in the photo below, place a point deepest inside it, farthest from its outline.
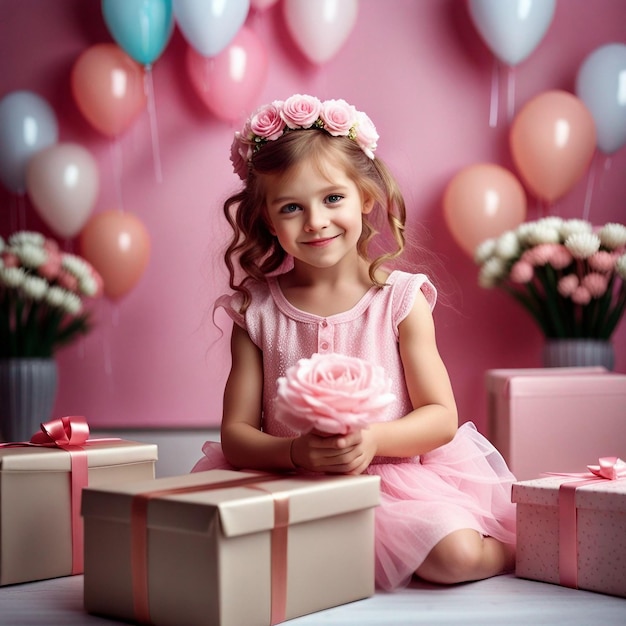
(28, 390)
(578, 353)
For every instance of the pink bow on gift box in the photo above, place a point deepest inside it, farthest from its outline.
(610, 467)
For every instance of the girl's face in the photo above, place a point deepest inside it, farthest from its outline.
(316, 215)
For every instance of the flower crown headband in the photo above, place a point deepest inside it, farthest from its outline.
(300, 112)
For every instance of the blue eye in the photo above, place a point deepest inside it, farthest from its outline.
(289, 208)
(334, 198)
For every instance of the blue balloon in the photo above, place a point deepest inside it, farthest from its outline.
(141, 28)
(600, 84)
(512, 29)
(27, 125)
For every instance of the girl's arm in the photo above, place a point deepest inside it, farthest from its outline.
(434, 420)
(244, 444)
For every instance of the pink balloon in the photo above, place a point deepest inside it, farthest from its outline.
(63, 182)
(262, 5)
(229, 83)
(108, 87)
(553, 139)
(320, 28)
(118, 246)
(483, 201)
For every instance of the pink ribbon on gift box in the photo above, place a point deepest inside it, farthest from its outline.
(139, 541)
(68, 433)
(608, 468)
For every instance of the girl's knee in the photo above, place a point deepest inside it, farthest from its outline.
(459, 557)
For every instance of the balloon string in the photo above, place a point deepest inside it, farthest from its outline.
(154, 131)
(543, 207)
(17, 216)
(106, 345)
(115, 315)
(591, 176)
(495, 88)
(510, 92)
(116, 161)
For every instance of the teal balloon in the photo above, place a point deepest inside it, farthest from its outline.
(141, 28)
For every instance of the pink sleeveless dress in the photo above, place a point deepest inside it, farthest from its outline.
(463, 484)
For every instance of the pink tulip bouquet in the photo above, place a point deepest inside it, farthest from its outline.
(332, 393)
(41, 296)
(570, 276)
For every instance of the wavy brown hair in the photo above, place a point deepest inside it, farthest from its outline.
(254, 252)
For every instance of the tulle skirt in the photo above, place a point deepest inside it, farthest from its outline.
(464, 484)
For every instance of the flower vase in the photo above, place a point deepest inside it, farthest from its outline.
(578, 353)
(28, 390)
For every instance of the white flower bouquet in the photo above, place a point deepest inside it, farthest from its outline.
(570, 276)
(41, 296)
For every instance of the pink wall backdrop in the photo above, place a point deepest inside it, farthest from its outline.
(419, 69)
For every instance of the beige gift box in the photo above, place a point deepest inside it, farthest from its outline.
(239, 548)
(36, 502)
(598, 553)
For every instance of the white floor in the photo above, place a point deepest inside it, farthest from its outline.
(504, 600)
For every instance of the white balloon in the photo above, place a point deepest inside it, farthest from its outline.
(601, 85)
(512, 29)
(320, 28)
(210, 25)
(27, 125)
(63, 181)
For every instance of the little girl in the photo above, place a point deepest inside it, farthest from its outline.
(305, 281)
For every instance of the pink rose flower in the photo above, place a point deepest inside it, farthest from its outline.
(522, 272)
(339, 117)
(267, 122)
(50, 269)
(560, 257)
(333, 393)
(10, 260)
(366, 134)
(602, 261)
(67, 281)
(557, 255)
(300, 111)
(567, 285)
(581, 295)
(240, 154)
(596, 283)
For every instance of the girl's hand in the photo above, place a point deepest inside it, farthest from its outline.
(333, 454)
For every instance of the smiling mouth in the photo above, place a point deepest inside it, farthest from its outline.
(315, 243)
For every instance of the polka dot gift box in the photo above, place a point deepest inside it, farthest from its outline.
(571, 530)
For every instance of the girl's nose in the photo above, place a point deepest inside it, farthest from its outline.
(316, 219)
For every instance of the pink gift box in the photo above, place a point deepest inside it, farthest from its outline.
(600, 533)
(555, 419)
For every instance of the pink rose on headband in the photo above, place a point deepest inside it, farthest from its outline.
(301, 111)
(240, 154)
(338, 116)
(366, 134)
(332, 393)
(267, 122)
